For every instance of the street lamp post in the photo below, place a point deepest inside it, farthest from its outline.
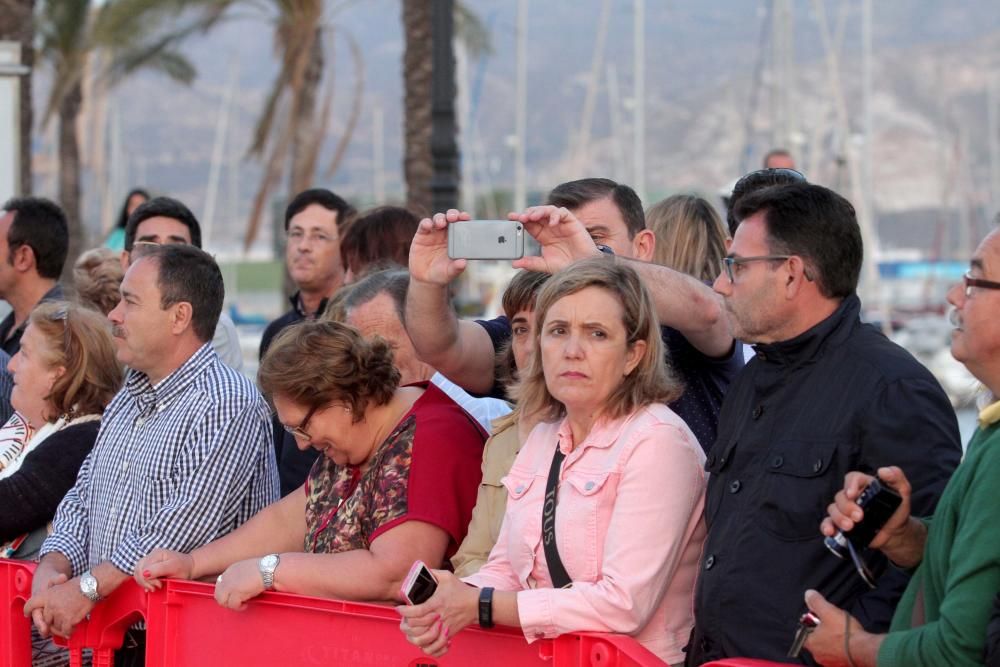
(444, 145)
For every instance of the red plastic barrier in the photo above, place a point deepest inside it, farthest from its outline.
(104, 631)
(187, 627)
(743, 662)
(15, 629)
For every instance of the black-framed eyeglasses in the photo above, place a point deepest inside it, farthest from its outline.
(300, 430)
(729, 262)
(971, 282)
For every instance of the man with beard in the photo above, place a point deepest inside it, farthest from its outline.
(184, 453)
(824, 395)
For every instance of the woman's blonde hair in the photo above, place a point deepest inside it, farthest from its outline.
(690, 237)
(651, 381)
(78, 339)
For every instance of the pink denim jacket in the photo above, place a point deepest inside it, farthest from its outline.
(629, 528)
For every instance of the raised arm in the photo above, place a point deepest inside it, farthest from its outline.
(462, 351)
(682, 302)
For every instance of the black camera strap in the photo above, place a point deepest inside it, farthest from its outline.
(560, 579)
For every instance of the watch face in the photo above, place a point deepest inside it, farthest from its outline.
(88, 583)
(269, 562)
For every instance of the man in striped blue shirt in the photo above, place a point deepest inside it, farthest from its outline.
(184, 454)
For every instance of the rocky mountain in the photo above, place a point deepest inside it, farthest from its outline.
(933, 65)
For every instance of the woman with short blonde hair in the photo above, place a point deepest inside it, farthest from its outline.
(650, 382)
(603, 527)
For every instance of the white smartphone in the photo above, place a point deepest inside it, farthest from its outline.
(486, 239)
(419, 585)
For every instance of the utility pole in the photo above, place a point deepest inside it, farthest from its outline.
(639, 111)
(993, 131)
(521, 109)
(444, 146)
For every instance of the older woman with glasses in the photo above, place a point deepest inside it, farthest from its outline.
(603, 528)
(396, 480)
(65, 374)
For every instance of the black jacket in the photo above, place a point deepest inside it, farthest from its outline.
(293, 464)
(803, 413)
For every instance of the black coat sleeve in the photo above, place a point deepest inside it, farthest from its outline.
(912, 425)
(993, 636)
(30, 496)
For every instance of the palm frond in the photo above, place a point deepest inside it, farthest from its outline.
(469, 30)
(352, 119)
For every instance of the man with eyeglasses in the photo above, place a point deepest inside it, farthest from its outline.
(824, 395)
(163, 220)
(942, 618)
(314, 220)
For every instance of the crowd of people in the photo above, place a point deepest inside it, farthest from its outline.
(655, 437)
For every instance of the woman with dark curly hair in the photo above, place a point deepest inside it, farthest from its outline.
(396, 481)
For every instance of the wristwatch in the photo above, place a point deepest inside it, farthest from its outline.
(267, 566)
(88, 586)
(486, 607)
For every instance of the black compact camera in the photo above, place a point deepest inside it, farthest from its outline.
(879, 503)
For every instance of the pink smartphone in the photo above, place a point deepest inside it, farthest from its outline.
(419, 584)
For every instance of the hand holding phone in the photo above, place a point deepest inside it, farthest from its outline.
(419, 585)
(486, 239)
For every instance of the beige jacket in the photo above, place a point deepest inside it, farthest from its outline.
(491, 501)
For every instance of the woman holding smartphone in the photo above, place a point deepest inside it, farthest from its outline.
(603, 527)
(396, 480)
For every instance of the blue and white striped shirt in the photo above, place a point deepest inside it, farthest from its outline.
(174, 466)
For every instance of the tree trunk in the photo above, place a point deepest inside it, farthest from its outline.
(69, 176)
(17, 24)
(417, 72)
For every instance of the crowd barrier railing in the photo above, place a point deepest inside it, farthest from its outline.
(186, 628)
(743, 662)
(15, 629)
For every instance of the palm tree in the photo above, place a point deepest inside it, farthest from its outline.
(16, 24)
(290, 131)
(71, 31)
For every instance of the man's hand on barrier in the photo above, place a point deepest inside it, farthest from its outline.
(58, 609)
(46, 576)
(431, 625)
(240, 582)
(162, 564)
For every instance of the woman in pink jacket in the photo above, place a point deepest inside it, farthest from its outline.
(603, 529)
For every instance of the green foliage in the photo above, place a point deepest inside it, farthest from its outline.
(128, 34)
